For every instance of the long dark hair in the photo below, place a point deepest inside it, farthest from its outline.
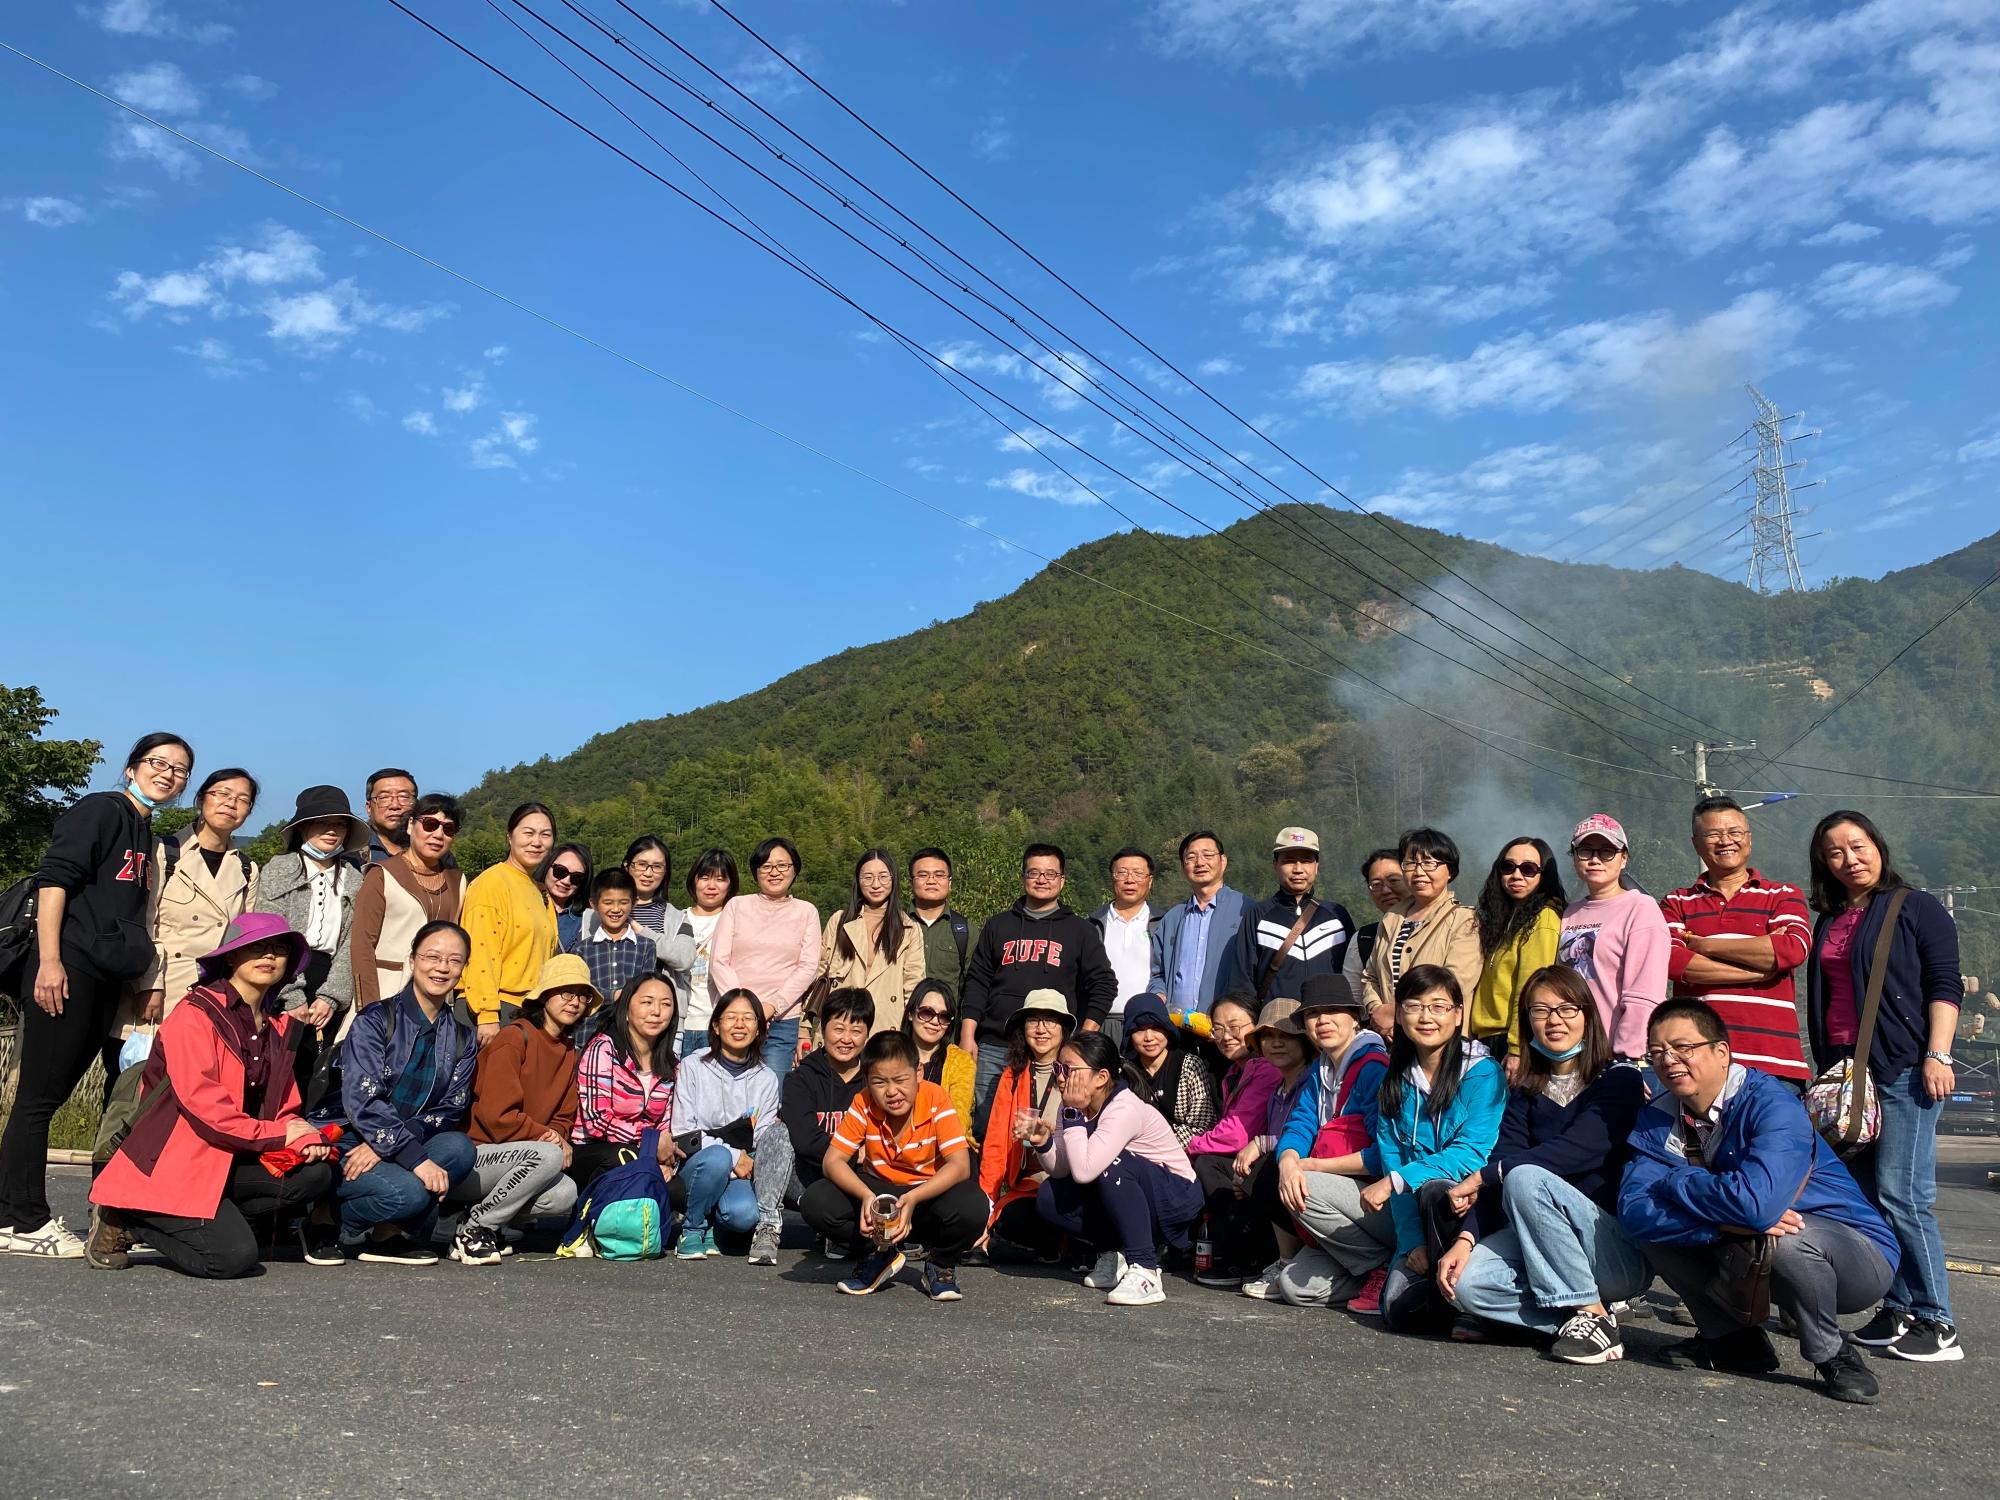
(618, 1020)
(581, 899)
(749, 997)
(1563, 985)
(889, 942)
(924, 990)
(638, 847)
(1100, 1054)
(1403, 1050)
(1828, 894)
(1501, 917)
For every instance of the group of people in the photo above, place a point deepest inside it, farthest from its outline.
(1494, 1120)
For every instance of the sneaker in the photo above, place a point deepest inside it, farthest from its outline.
(708, 1246)
(693, 1244)
(397, 1250)
(1138, 1287)
(1466, 1329)
(52, 1241)
(1882, 1330)
(1588, 1339)
(1264, 1285)
(1225, 1277)
(1368, 1301)
(1929, 1341)
(941, 1283)
(109, 1245)
(764, 1246)
(1848, 1377)
(1748, 1351)
(320, 1244)
(877, 1269)
(475, 1245)
(1106, 1272)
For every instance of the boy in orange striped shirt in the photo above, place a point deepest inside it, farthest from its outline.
(899, 1162)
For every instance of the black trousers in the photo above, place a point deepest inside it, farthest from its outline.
(56, 1051)
(1420, 1307)
(1021, 1223)
(946, 1225)
(226, 1245)
(1238, 1228)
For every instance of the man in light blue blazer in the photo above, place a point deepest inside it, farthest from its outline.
(1195, 942)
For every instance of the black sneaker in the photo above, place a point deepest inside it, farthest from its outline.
(320, 1244)
(1882, 1330)
(397, 1250)
(941, 1283)
(1928, 1342)
(876, 1270)
(475, 1245)
(1588, 1339)
(1847, 1376)
(1748, 1351)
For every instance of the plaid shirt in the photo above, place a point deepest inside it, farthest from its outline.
(615, 962)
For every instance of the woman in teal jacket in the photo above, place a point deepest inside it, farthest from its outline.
(1441, 1104)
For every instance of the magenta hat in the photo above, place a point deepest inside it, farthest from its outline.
(1603, 826)
(247, 931)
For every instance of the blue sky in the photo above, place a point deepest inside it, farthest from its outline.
(1499, 266)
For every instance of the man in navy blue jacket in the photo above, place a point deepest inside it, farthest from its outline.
(1727, 1152)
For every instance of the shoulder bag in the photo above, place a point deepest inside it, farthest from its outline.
(1842, 1101)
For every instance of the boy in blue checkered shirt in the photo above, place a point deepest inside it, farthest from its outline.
(614, 947)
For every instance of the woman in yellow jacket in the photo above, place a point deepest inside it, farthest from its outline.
(1431, 927)
(511, 921)
(1520, 922)
(872, 945)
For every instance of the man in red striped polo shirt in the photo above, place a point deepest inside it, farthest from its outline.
(1738, 940)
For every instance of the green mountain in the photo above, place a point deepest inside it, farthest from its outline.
(1143, 685)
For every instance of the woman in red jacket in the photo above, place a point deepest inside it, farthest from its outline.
(216, 1097)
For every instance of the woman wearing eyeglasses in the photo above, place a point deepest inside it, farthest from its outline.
(1438, 1119)
(1430, 927)
(402, 894)
(92, 940)
(768, 943)
(205, 883)
(1520, 922)
(872, 945)
(565, 879)
(512, 922)
(1615, 937)
(927, 1023)
(1541, 1247)
(1239, 1234)
(313, 886)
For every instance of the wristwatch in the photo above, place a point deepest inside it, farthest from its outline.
(1943, 1057)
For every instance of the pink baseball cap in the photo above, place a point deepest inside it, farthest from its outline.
(1603, 826)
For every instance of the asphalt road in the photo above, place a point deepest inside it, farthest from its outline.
(541, 1377)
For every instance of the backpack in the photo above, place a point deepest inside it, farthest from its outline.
(170, 858)
(18, 950)
(626, 1215)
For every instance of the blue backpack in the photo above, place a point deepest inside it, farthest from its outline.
(626, 1215)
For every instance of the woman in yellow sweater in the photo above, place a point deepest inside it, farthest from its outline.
(512, 922)
(1520, 921)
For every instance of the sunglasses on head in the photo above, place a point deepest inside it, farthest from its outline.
(1520, 867)
(565, 873)
(435, 823)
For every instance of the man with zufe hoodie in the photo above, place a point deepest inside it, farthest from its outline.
(1036, 944)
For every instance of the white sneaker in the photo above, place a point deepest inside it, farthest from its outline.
(1264, 1285)
(1107, 1273)
(52, 1241)
(1138, 1287)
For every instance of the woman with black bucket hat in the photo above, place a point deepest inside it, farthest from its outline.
(312, 885)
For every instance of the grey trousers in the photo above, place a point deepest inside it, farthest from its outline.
(1823, 1271)
(771, 1174)
(517, 1180)
(1351, 1243)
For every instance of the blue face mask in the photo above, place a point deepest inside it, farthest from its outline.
(132, 791)
(326, 857)
(1536, 1043)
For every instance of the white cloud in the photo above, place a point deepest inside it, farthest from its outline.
(1299, 37)
(422, 423)
(284, 255)
(177, 292)
(496, 353)
(218, 360)
(1060, 381)
(766, 78)
(1846, 232)
(316, 321)
(52, 213)
(135, 140)
(1981, 449)
(1854, 289)
(150, 18)
(1040, 486)
(506, 444)
(1219, 366)
(360, 407)
(250, 86)
(1580, 364)
(159, 88)
(1513, 479)
(467, 397)
(994, 139)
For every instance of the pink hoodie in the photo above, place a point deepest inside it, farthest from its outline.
(1620, 946)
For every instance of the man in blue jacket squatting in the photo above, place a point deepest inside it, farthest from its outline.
(1725, 1154)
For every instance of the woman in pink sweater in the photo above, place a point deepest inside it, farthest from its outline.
(1615, 938)
(1118, 1177)
(768, 944)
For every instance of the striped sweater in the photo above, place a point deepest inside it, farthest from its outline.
(1763, 1019)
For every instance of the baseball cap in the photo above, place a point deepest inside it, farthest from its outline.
(1295, 838)
(1603, 826)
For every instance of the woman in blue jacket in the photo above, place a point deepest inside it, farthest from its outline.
(1541, 1248)
(1438, 1118)
(1909, 1059)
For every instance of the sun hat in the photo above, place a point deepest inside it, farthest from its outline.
(565, 971)
(1279, 1016)
(1044, 1003)
(1295, 838)
(248, 930)
(1330, 992)
(317, 802)
(1603, 826)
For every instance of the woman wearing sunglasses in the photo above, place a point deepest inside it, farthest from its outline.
(1616, 937)
(927, 1023)
(1520, 922)
(565, 878)
(404, 893)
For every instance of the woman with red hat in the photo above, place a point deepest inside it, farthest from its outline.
(217, 1102)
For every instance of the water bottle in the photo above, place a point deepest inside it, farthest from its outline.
(1204, 1247)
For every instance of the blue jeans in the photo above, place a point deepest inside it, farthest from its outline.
(985, 1076)
(715, 1199)
(389, 1194)
(1130, 1207)
(1900, 1173)
(691, 1043)
(1559, 1251)
(780, 1043)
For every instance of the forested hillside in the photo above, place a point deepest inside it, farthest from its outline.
(1147, 684)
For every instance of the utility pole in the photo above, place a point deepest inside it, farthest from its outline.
(1951, 893)
(1701, 751)
(1774, 551)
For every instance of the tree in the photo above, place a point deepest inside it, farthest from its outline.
(38, 778)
